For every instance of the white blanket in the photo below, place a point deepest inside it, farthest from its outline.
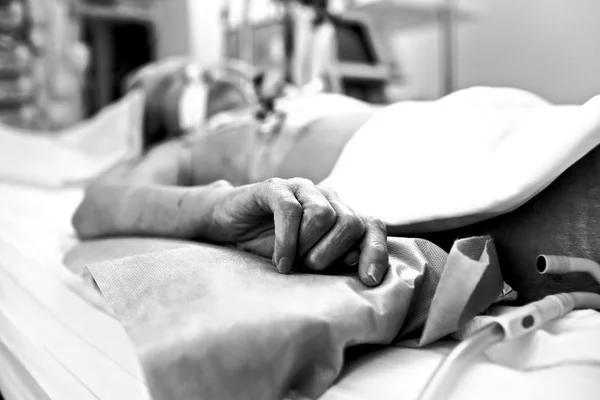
(472, 155)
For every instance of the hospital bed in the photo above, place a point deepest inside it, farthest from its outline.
(59, 341)
(57, 344)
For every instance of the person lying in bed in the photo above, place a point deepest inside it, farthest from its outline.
(286, 220)
(207, 187)
(180, 189)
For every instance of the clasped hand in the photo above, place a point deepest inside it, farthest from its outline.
(298, 223)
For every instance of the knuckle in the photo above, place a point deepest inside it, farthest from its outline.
(324, 214)
(378, 246)
(290, 207)
(376, 223)
(221, 183)
(328, 191)
(300, 182)
(312, 261)
(353, 226)
(274, 182)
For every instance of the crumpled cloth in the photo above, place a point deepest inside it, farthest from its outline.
(211, 322)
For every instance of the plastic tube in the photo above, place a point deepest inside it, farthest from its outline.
(517, 323)
(560, 265)
(442, 381)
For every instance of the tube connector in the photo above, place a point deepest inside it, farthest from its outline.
(516, 323)
(560, 265)
(555, 265)
(530, 317)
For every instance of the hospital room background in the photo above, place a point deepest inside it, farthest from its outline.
(483, 127)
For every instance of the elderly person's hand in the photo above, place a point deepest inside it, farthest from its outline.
(296, 222)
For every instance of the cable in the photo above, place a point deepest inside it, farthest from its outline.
(515, 324)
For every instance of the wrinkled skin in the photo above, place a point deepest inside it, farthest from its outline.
(294, 219)
(294, 222)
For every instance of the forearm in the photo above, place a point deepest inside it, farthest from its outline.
(117, 209)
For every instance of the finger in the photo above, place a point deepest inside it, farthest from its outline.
(287, 215)
(352, 258)
(346, 233)
(318, 215)
(374, 259)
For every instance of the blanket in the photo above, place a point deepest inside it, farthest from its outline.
(472, 155)
(215, 323)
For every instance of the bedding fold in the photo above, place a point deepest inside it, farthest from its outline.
(484, 151)
(215, 323)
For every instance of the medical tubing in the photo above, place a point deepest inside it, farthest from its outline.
(534, 315)
(517, 323)
(586, 300)
(560, 265)
(443, 380)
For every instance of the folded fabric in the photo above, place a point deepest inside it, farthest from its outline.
(215, 323)
(475, 154)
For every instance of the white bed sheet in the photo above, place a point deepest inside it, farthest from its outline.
(53, 325)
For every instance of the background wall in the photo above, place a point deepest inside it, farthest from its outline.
(551, 47)
(190, 27)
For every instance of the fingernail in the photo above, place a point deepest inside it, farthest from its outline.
(375, 273)
(285, 265)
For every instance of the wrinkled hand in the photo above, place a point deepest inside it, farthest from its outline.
(296, 222)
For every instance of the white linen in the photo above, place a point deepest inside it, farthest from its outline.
(51, 324)
(476, 153)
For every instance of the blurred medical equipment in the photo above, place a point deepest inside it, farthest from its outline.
(16, 89)
(42, 63)
(363, 63)
(515, 324)
(366, 66)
